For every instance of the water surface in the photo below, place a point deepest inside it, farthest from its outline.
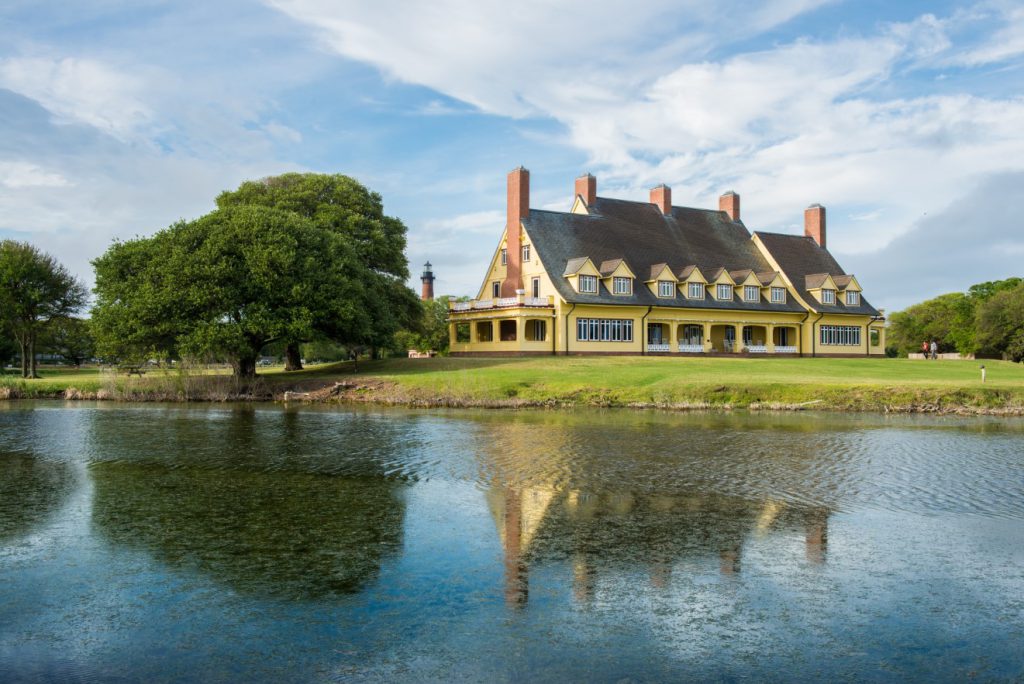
(166, 543)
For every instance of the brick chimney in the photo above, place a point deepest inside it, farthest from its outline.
(428, 283)
(661, 196)
(814, 223)
(730, 204)
(518, 209)
(586, 187)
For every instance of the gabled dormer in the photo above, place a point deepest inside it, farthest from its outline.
(662, 282)
(822, 287)
(617, 276)
(582, 275)
(722, 285)
(747, 285)
(692, 282)
(773, 287)
(849, 289)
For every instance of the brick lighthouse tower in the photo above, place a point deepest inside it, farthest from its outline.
(428, 283)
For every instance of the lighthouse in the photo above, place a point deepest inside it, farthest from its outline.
(428, 283)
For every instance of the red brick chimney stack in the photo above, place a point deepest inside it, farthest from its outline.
(518, 209)
(730, 204)
(586, 187)
(814, 223)
(662, 197)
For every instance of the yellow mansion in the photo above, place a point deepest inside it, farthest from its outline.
(619, 277)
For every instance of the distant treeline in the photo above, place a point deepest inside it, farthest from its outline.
(987, 320)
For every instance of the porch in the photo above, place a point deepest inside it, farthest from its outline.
(673, 337)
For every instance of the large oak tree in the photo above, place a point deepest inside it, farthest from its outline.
(35, 291)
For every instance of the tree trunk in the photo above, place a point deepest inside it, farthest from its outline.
(24, 356)
(292, 357)
(32, 353)
(245, 368)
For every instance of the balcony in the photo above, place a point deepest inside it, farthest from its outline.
(518, 301)
(691, 348)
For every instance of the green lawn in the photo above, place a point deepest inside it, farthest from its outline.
(860, 384)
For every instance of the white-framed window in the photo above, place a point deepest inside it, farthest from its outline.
(751, 293)
(666, 288)
(840, 335)
(695, 291)
(535, 287)
(723, 292)
(504, 257)
(853, 299)
(526, 253)
(496, 289)
(828, 296)
(622, 286)
(588, 284)
(604, 329)
(778, 295)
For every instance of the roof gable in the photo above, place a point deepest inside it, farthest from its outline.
(661, 272)
(580, 265)
(819, 281)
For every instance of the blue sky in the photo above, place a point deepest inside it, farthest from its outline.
(905, 119)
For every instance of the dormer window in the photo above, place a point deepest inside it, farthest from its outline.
(853, 299)
(588, 284)
(504, 257)
(622, 286)
(526, 253)
(828, 296)
(778, 295)
(695, 291)
(723, 292)
(751, 293)
(666, 288)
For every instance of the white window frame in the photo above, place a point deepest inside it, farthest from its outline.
(695, 291)
(604, 329)
(504, 256)
(828, 296)
(526, 253)
(778, 295)
(496, 289)
(839, 335)
(753, 290)
(535, 287)
(588, 279)
(666, 288)
(853, 298)
(622, 285)
(723, 292)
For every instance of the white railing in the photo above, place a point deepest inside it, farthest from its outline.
(501, 303)
(483, 303)
(757, 349)
(506, 301)
(691, 348)
(536, 301)
(659, 347)
(785, 349)
(462, 306)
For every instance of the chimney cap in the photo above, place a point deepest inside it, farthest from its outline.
(815, 206)
(728, 192)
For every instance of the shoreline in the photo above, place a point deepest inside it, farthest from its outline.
(934, 401)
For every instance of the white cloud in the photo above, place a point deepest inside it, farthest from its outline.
(79, 89)
(19, 174)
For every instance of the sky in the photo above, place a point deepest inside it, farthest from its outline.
(906, 120)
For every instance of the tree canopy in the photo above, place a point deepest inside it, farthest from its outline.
(252, 273)
(35, 291)
(984, 320)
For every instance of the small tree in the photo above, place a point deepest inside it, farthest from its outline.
(70, 338)
(35, 289)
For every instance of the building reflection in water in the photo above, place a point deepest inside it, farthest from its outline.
(613, 531)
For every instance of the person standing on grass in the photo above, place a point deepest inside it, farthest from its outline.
(935, 350)
(924, 350)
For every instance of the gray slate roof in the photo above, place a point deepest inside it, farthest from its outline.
(801, 259)
(641, 235)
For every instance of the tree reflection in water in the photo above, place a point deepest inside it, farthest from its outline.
(32, 489)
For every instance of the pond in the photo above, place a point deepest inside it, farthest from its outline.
(241, 543)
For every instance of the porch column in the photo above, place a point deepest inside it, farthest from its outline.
(706, 336)
(770, 342)
(452, 334)
(673, 336)
(473, 336)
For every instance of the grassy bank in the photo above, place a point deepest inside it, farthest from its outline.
(829, 384)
